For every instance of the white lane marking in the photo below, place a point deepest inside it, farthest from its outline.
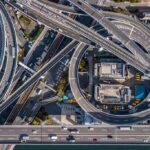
(131, 31)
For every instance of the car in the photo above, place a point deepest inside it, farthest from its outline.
(137, 102)
(133, 104)
(90, 128)
(73, 130)
(34, 131)
(79, 3)
(53, 137)
(60, 30)
(95, 140)
(145, 140)
(64, 128)
(23, 141)
(137, 76)
(71, 139)
(109, 136)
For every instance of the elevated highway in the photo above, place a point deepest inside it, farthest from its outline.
(82, 31)
(2, 41)
(26, 61)
(135, 34)
(134, 22)
(94, 37)
(11, 53)
(100, 17)
(49, 22)
(123, 53)
(13, 134)
(12, 98)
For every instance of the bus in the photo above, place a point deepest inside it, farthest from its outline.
(125, 128)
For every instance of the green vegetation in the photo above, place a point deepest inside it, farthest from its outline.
(36, 121)
(121, 10)
(42, 115)
(37, 31)
(131, 1)
(83, 64)
(25, 20)
(25, 33)
(62, 84)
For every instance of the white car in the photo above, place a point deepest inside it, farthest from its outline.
(65, 128)
(53, 138)
(34, 131)
(91, 128)
(145, 140)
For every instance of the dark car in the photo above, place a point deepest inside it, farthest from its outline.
(110, 136)
(95, 140)
(73, 130)
(70, 138)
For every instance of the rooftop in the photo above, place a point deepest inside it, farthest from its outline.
(110, 70)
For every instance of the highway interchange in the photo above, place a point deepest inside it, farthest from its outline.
(94, 111)
(123, 57)
(83, 37)
(92, 36)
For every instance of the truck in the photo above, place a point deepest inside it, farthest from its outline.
(125, 128)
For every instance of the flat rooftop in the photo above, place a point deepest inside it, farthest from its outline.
(112, 93)
(110, 70)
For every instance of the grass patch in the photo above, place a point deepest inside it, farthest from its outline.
(25, 20)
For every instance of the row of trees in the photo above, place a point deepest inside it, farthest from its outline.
(83, 65)
(42, 115)
(62, 83)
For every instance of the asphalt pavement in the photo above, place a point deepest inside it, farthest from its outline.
(103, 134)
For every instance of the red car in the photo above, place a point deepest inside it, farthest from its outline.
(95, 140)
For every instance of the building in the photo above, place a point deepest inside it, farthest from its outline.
(106, 93)
(110, 70)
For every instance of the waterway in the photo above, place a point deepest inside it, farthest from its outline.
(80, 147)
